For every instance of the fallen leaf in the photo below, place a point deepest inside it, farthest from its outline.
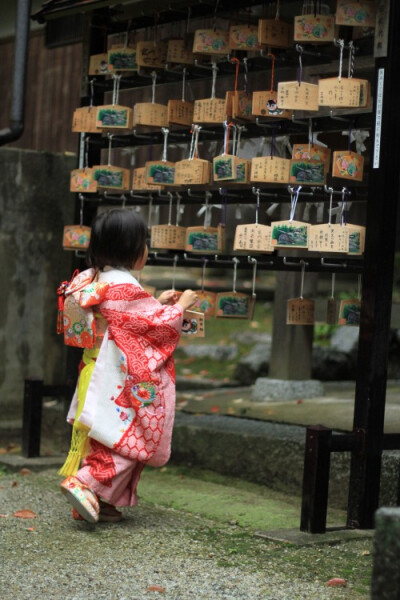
(231, 411)
(3, 451)
(163, 469)
(3, 516)
(31, 529)
(25, 514)
(299, 401)
(181, 476)
(254, 324)
(156, 588)
(204, 372)
(214, 409)
(336, 581)
(238, 400)
(11, 446)
(366, 553)
(25, 471)
(14, 484)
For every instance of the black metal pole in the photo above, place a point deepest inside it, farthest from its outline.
(317, 458)
(16, 125)
(377, 286)
(32, 417)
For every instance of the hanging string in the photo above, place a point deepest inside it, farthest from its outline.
(174, 271)
(110, 136)
(153, 86)
(236, 62)
(310, 135)
(235, 264)
(234, 138)
(340, 43)
(278, 6)
(257, 204)
(300, 69)
(343, 213)
(293, 202)
(246, 72)
(214, 78)
(165, 132)
(191, 149)
(183, 83)
(178, 208)
(227, 127)
(203, 274)
(333, 285)
(196, 142)
(91, 82)
(170, 209)
(114, 78)
(351, 59)
(359, 287)
(303, 270)
(86, 163)
(273, 58)
(253, 283)
(81, 210)
(239, 129)
(350, 134)
(150, 212)
(273, 143)
(330, 206)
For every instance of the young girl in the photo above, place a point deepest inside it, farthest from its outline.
(123, 408)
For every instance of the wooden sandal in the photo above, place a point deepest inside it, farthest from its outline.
(82, 499)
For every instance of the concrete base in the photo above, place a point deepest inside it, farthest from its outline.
(269, 389)
(301, 538)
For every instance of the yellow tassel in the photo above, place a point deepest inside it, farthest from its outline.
(80, 443)
(78, 450)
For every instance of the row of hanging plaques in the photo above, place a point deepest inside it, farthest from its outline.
(126, 55)
(309, 165)
(333, 92)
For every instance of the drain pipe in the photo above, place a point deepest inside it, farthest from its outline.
(16, 123)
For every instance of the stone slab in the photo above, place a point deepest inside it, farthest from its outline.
(15, 462)
(266, 388)
(333, 535)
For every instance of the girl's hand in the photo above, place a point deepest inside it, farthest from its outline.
(188, 298)
(169, 297)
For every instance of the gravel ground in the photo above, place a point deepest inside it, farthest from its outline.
(188, 557)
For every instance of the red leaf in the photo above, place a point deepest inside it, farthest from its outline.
(299, 401)
(25, 514)
(214, 409)
(156, 588)
(336, 581)
(31, 529)
(3, 516)
(25, 471)
(14, 484)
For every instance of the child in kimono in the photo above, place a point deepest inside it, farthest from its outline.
(123, 408)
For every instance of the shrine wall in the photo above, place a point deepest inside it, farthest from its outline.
(34, 205)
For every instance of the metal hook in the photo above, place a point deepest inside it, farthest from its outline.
(299, 263)
(222, 192)
(258, 192)
(326, 264)
(336, 118)
(292, 191)
(267, 125)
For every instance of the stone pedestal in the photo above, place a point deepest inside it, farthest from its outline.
(267, 389)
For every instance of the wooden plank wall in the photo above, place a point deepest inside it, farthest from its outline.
(53, 89)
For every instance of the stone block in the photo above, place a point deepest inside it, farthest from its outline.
(266, 389)
(253, 365)
(386, 555)
(228, 352)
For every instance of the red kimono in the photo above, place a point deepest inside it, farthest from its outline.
(130, 402)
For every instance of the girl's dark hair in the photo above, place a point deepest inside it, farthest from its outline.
(118, 239)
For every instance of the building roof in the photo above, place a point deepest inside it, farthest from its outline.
(52, 9)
